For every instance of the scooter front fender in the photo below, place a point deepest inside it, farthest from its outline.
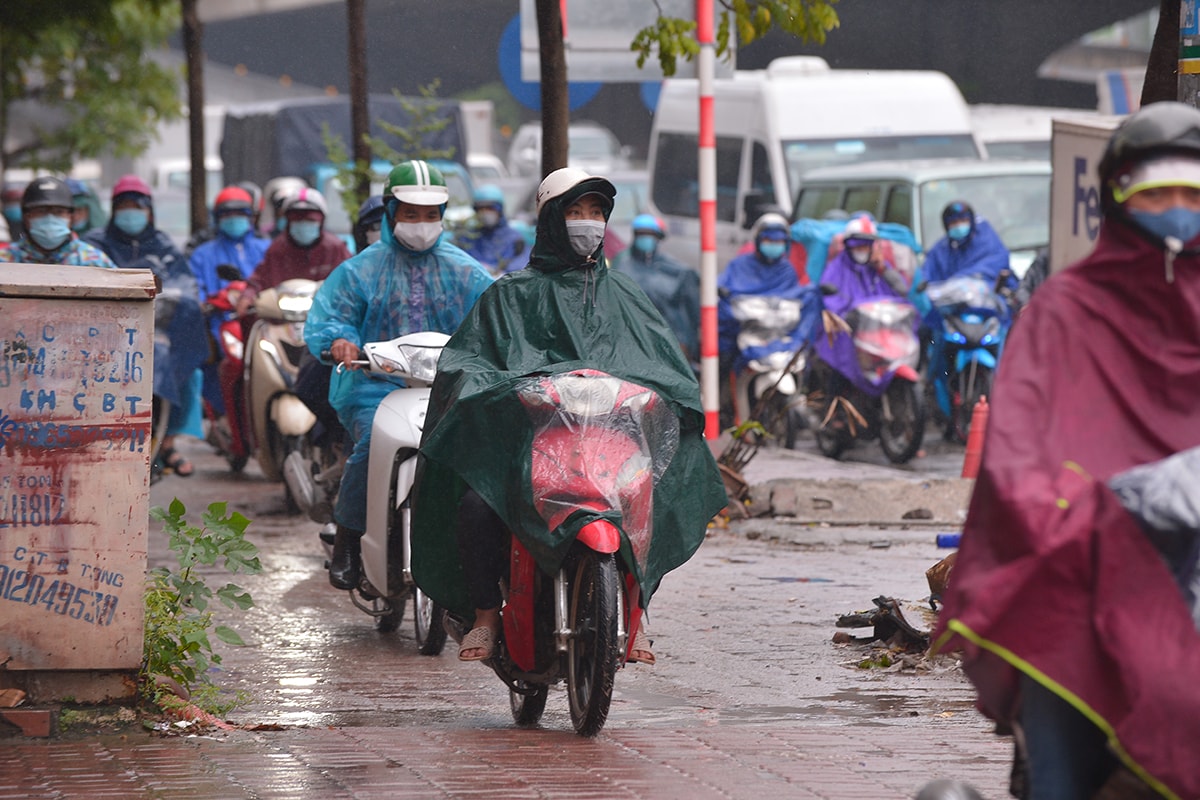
(980, 355)
(600, 535)
(291, 416)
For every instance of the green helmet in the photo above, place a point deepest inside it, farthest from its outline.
(417, 183)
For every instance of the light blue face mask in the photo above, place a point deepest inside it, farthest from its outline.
(50, 231)
(235, 226)
(959, 231)
(304, 232)
(1176, 222)
(13, 214)
(772, 251)
(131, 221)
(645, 243)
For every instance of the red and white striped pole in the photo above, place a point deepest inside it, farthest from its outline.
(706, 68)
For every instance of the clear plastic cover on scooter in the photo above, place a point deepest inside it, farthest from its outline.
(600, 445)
(966, 292)
(764, 318)
(289, 301)
(884, 335)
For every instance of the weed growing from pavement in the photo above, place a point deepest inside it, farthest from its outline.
(178, 652)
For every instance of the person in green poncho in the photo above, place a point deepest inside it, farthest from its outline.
(565, 311)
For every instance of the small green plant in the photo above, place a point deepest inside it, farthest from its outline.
(178, 619)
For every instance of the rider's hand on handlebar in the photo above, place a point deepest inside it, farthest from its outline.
(344, 352)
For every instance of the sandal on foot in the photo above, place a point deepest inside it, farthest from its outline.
(175, 462)
(641, 652)
(481, 638)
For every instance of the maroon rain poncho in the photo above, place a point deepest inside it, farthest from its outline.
(1054, 577)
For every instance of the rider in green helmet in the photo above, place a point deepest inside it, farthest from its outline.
(418, 282)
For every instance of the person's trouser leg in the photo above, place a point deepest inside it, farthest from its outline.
(1065, 752)
(482, 548)
(350, 511)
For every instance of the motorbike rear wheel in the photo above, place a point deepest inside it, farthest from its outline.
(902, 435)
(593, 653)
(527, 708)
(427, 624)
(832, 440)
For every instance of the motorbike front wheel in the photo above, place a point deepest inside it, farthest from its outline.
(427, 623)
(902, 424)
(593, 653)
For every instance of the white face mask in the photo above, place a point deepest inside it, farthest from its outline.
(417, 236)
(585, 235)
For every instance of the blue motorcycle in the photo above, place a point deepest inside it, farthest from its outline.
(971, 322)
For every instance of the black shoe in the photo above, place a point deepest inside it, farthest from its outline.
(345, 565)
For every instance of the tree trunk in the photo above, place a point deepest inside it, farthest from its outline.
(360, 124)
(1162, 79)
(556, 115)
(193, 49)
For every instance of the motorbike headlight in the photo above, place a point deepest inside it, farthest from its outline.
(422, 362)
(956, 337)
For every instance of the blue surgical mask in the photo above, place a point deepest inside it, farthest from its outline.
(304, 231)
(50, 231)
(1177, 222)
(645, 243)
(772, 251)
(131, 221)
(235, 226)
(959, 231)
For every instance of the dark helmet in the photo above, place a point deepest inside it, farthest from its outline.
(957, 209)
(1159, 129)
(369, 212)
(47, 192)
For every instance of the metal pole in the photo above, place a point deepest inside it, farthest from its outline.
(706, 69)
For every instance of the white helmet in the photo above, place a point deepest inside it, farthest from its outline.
(561, 181)
(305, 199)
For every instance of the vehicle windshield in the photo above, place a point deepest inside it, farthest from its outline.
(1017, 206)
(804, 155)
(591, 144)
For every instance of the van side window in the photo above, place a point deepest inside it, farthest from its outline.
(863, 198)
(899, 205)
(814, 201)
(676, 175)
(760, 173)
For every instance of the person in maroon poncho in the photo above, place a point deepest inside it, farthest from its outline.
(1074, 608)
(306, 250)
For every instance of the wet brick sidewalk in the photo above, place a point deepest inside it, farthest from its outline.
(748, 761)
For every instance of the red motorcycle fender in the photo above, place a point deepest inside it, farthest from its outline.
(907, 373)
(518, 611)
(600, 535)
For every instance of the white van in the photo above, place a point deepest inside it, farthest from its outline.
(774, 125)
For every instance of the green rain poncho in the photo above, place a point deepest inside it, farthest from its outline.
(562, 313)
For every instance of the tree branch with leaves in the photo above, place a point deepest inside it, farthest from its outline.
(673, 38)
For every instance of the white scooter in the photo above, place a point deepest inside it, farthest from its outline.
(395, 435)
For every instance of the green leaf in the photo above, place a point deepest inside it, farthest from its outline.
(228, 635)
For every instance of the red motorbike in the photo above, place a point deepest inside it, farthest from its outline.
(227, 433)
(599, 446)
